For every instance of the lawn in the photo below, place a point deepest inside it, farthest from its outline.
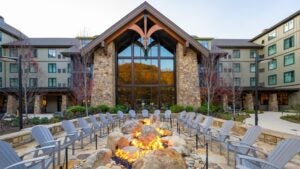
(228, 116)
(291, 118)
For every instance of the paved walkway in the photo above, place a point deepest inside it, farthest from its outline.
(272, 121)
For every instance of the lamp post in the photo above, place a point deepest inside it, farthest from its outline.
(19, 60)
(257, 61)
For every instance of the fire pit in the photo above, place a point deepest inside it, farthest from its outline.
(146, 136)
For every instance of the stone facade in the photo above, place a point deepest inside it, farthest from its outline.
(248, 103)
(11, 104)
(225, 102)
(64, 101)
(188, 91)
(103, 91)
(37, 104)
(273, 102)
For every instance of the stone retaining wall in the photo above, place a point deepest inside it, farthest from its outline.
(267, 136)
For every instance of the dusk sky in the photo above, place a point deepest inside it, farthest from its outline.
(205, 18)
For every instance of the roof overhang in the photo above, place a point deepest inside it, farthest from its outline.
(129, 20)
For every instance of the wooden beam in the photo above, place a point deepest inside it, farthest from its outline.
(186, 46)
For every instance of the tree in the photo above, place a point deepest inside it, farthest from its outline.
(209, 79)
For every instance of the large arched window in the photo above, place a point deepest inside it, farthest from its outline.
(145, 77)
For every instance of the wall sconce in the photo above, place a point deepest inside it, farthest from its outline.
(44, 101)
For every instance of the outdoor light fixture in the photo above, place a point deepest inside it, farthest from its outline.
(44, 101)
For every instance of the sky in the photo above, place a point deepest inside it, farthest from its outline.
(205, 18)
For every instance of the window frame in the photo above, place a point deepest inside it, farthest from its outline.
(234, 81)
(287, 40)
(269, 63)
(34, 65)
(269, 78)
(253, 51)
(252, 79)
(251, 67)
(293, 77)
(52, 68)
(270, 37)
(32, 80)
(1, 67)
(10, 82)
(52, 78)
(284, 59)
(55, 53)
(269, 49)
(234, 51)
(239, 67)
(10, 68)
(287, 24)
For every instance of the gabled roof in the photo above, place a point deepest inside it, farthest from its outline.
(11, 30)
(234, 43)
(151, 10)
(276, 25)
(44, 42)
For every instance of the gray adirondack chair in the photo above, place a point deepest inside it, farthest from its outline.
(110, 119)
(244, 145)
(277, 158)
(180, 118)
(86, 128)
(104, 122)
(168, 117)
(156, 114)
(220, 135)
(9, 159)
(44, 138)
(193, 123)
(189, 117)
(121, 117)
(145, 113)
(132, 114)
(96, 125)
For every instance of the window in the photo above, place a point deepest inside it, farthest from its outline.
(51, 53)
(236, 67)
(69, 82)
(272, 64)
(13, 67)
(289, 43)
(204, 43)
(34, 53)
(0, 36)
(272, 35)
(252, 67)
(0, 81)
(0, 66)
(64, 70)
(13, 52)
(32, 67)
(51, 67)
(220, 67)
(289, 59)
(253, 53)
(59, 70)
(1, 52)
(289, 77)
(237, 81)
(33, 82)
(288, 26)
(52, 82)
(236, 53)
(272, 50)
(69, 67)
(272, 79)
(13, 82)
(252, 81)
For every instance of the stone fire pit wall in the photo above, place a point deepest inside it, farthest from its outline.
(24, 136)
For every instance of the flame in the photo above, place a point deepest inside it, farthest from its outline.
(147, 121)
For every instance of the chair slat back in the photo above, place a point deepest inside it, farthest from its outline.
(8, 156)
(103, 119)
(84, 125)
(95, 123)
(225, 129)
(156, 114)
(120, 114)
(145, 113)
(69, 128)
(132, 113)
(207, 122)
(198, 119)
(251, 135)
(167, 114)
(283, 152)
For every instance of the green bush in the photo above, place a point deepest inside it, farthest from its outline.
(291, 118)
(34, 121)
(56, 119)
(15, 122)
(176, 108)
(102, 108)
(93, 110)
(113, 110)
(249, 111)
(44, 120)
(189, 108)
(74, 111)
(212, 107)
(122, 108)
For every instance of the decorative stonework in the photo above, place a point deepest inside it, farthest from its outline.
(249, 101)
(37, 104)
(188, 91)
(103, 91)
(273, 102)
(11, 104)
(63, 102)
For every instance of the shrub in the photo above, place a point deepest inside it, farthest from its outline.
(122, 108)
(44, 120)
(74, 111)
(15, 122)
(176, 108)
(249, 111)
(102, 108)
(189, 108)
(212, 107)
(113, 109)
(55, 119)
(34, 121)
(93, 110)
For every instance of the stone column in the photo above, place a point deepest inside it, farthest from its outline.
(11, 104)
(63, 102)
(225, 102)
(249, 101)
(188, 90)
(37, 104)
(104, 76)
(273, 102)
